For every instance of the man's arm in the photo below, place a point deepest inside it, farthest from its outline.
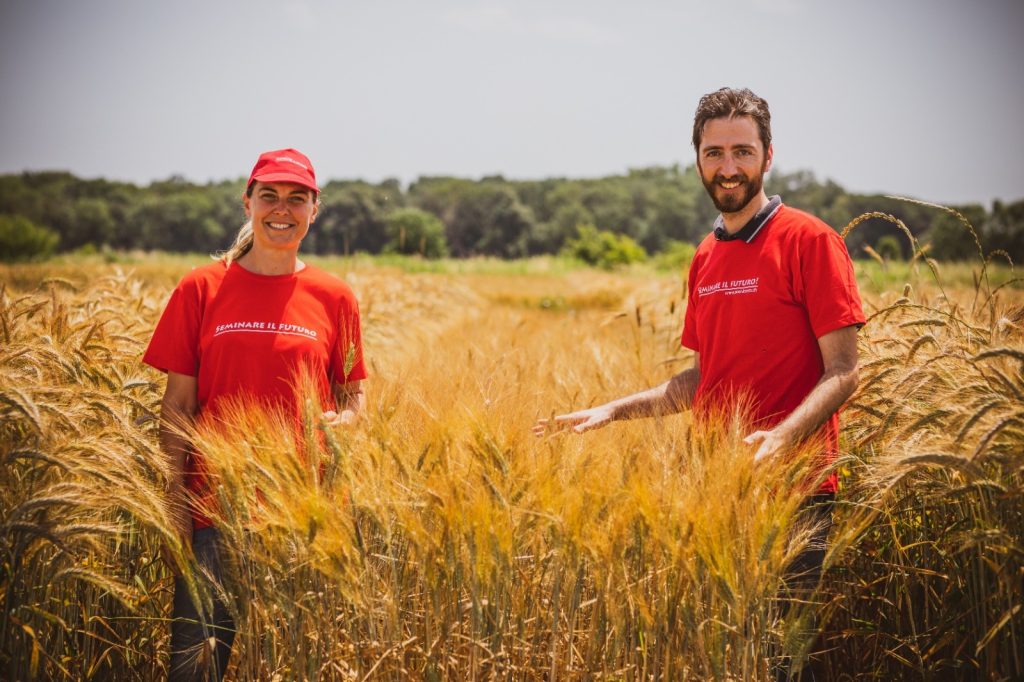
(350, 401)
(675, 395)
(177, 411)
(838, 382)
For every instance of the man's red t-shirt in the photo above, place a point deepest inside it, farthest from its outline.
(245, 336)
(756, 309)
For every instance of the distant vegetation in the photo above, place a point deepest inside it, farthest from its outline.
(656, 208)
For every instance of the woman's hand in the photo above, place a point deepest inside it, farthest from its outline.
(350, 399)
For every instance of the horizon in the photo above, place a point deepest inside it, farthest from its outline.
(405, 185)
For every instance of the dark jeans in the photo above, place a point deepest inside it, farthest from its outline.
(201, 639)
(803, 575)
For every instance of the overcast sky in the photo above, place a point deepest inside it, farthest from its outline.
(913, 97)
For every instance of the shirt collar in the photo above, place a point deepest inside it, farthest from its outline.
(753, 226)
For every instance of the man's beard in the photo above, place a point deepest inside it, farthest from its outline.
(732, 202)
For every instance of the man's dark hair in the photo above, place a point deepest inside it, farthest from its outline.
(730, 102)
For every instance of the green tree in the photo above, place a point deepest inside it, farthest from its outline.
(180, 221)
(674, 216)
(92, 224)
(551, 236)
(488, 219)
(353, 216)
(1005, 229)
(412, 231)
(951, 240)
(610, 201)
(21, 239)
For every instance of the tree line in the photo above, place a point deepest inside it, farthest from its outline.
(645, 211)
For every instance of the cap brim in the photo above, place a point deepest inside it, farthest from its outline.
(286, 177)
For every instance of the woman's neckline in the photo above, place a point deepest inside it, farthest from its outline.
(300, 268)
(267, 271)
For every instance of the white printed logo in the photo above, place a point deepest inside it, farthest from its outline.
(257, 327)
(730, 287)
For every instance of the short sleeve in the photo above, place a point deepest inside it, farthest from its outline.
(175, 343)
(347, 355)
(690, 339)
(828, 284)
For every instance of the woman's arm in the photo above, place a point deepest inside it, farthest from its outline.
(177, 412)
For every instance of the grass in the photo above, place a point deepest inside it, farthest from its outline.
(444, 541)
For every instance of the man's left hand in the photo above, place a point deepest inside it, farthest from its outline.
(771, 442)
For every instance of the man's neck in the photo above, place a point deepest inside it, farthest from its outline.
(734, 222)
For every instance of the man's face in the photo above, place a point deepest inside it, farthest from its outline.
(732, 162)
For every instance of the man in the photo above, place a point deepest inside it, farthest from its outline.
(772, 313)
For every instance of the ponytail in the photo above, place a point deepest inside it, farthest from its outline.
(243, 240)
(240, 247)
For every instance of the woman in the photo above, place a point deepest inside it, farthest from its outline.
(240, 328)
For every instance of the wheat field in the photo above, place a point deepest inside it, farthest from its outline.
(440, 540)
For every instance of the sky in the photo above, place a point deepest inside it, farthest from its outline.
(919, 98)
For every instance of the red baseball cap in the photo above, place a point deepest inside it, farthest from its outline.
(284, 165)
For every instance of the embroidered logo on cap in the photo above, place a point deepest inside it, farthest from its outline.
(291, 160)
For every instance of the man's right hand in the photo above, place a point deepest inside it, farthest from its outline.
(675, 395)
(583, 420)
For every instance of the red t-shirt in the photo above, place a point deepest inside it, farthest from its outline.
(756, 311)
(244, 336)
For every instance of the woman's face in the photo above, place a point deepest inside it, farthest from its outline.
(281, 213)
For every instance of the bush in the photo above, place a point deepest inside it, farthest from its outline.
(888, 247)
(412, 231)
(675, 256)
(603, 248)
(21, 239)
